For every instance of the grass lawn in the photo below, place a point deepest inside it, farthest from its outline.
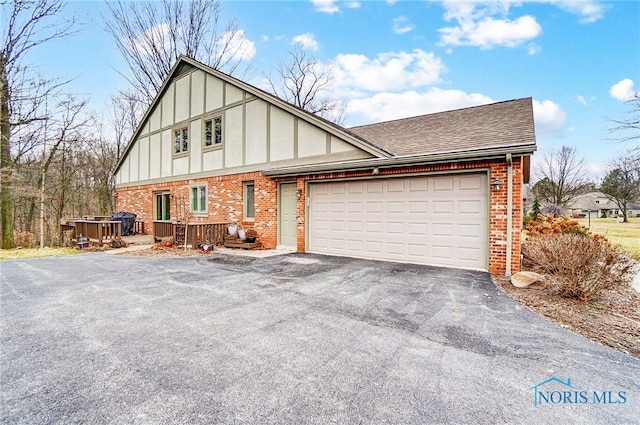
(627, 235)
(12, 254)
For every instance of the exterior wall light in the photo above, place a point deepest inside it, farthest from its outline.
(299, 193)
(375, 171)
(496, 184)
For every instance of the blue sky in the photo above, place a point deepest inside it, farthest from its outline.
(578, 60)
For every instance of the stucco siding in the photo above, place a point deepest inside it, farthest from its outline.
(232, 94)
(281, 135)
(154, 120)
(212, 160)
(155, 156)
(181, 166)
(233, 137)
(256, 137)
(214, 93)
(143, 159)
(311, 140)
(167, 107)
(197, 93)
(166, 153)
(182, 98)
(195, 150)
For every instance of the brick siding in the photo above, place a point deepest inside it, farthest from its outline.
(225, 203)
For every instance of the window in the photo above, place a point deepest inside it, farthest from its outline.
(248, 201)
(181, 140)
(162, 206)
(213, 132)
(199, 199)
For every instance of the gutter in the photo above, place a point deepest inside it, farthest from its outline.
(509, 212)
(394, 162)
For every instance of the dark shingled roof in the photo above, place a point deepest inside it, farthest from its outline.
(501, 124)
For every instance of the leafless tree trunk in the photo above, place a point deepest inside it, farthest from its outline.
(561, 177)
(152, 35)
(29, 23)
(307, 84)
(69, 122)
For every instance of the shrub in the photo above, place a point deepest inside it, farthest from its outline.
(24, 239)
(552, 209)
(580, 266)
(543, 225)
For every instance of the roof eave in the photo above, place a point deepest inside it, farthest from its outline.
(394, 162)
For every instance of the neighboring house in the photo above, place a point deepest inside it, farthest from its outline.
(598, 203)
(442, 189)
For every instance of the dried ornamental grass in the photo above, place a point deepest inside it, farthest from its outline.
(580, 266)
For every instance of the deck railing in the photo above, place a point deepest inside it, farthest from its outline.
(211, 233)
(100, 231)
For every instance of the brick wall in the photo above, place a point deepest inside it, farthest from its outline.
(225, 203)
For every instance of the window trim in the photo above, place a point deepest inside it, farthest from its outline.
(211, 118)
(180, 128)
(162, 194)
(199, 212)
(245, 204)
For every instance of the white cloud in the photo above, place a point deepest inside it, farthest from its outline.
(549, 117)
(389, 106)
(401, 25)
(389, 71)
(236, 46)
(582, 100)
(307, 41)
(588, 11)
(623, 90)
(354, 4)
(533, 49)
(326, 6)
(488, 32)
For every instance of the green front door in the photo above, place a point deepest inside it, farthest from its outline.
(287, 215)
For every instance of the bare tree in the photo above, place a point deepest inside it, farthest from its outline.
(152, 35)
(561, 177)
(26, 24)
(629, 127)
(65, 127)
(308, 84)
(622, 182)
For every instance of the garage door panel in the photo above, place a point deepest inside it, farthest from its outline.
(373, 247)
(441, 220)
(395, 207)
(442, 207)
(374, 207)
(443, 184)
(418, 229)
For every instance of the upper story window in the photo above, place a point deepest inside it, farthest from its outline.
(213, 131)
(181, 140)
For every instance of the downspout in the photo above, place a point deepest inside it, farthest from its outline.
(509, 212)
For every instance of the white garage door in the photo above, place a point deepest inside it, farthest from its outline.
(439, 220)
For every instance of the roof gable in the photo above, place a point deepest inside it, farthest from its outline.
(496, 125)
(185, 64)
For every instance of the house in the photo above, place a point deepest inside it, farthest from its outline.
(442, 189)
(600, 205)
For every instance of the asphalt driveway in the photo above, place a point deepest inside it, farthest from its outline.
(291, 339)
